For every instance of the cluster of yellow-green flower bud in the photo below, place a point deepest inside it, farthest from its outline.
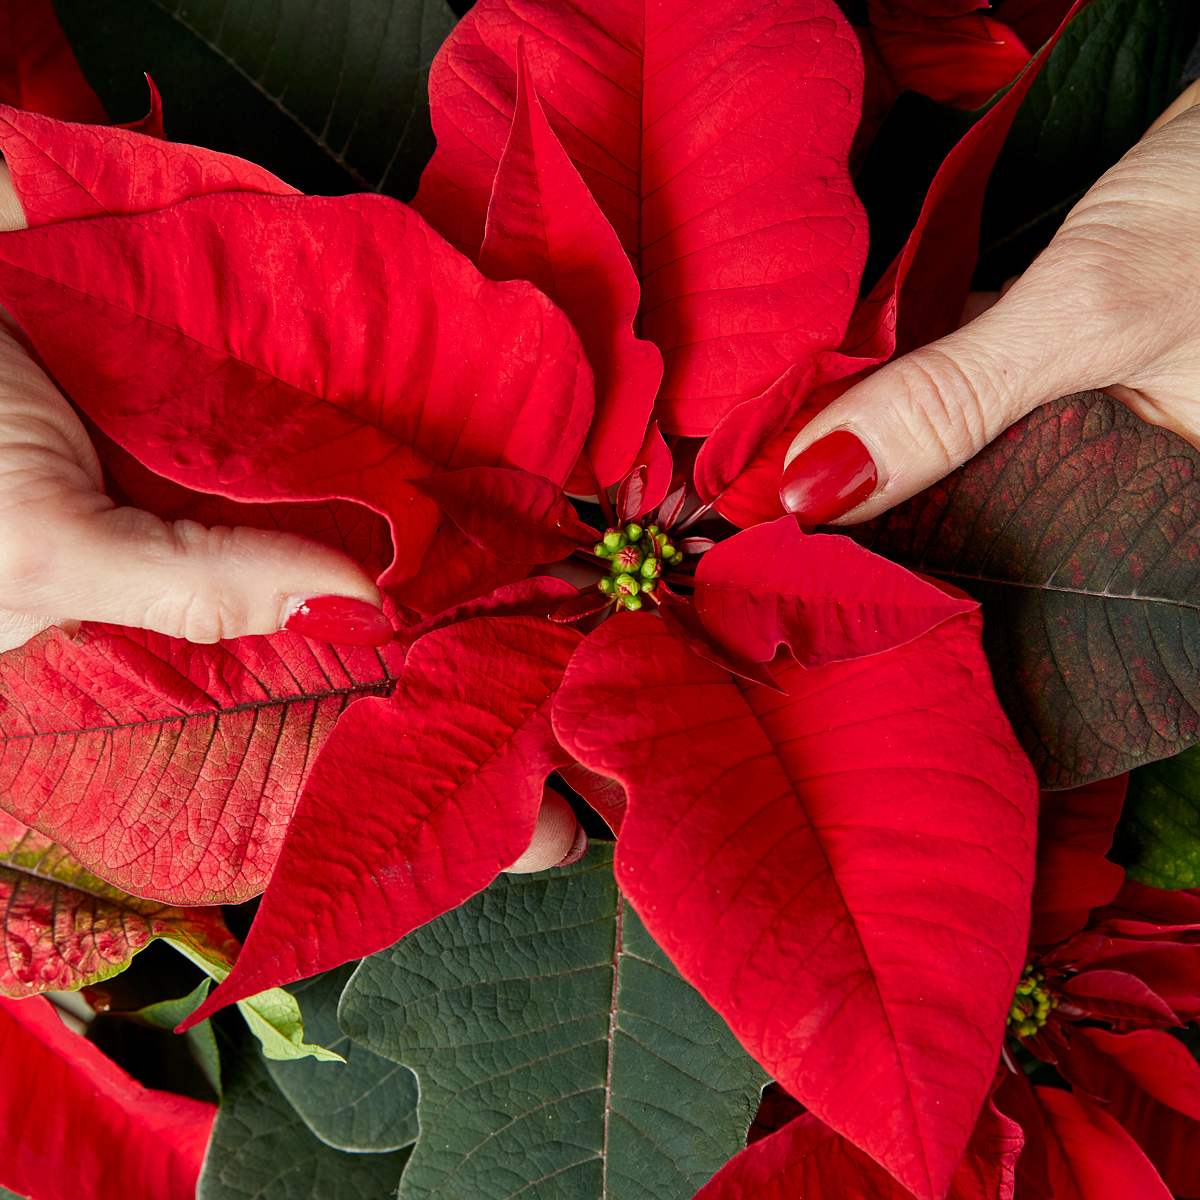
(636, 556)
(1031, 1005)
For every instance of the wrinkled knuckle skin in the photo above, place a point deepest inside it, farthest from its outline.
(943, 407)
(205, 620)
(191, 539)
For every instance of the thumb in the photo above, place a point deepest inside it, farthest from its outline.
(918, 418)
(189, 581)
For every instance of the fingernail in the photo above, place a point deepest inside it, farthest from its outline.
(828, 479)
(577, 851)
(340, 619)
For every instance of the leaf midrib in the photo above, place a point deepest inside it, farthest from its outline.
(382, 686)
(610, 1053)
(1133, 598)
(277, 102)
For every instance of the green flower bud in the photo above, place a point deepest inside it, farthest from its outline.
(601, 550)
(668, 551)
(633, 603)
(648, 585)
(652, 530)
(614, 540)
(633, 531)
(651, 568)
(607, 585)
(626, 585)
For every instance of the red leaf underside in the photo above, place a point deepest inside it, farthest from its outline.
(171, 770)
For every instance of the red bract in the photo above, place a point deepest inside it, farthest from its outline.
(38, 70)
(544, 226)
(108, 1135)
(841, 862)
(448, 774)
(845, 815)
(807, 1159)
(1098, 1007)
(951, 52)
(714, 138)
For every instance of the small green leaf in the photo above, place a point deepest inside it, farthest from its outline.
(201, 1041)
(1116, 67)
(272, 1016)
(560, 1056)
(368, 1105)
(261, 1150)
(1159, 836)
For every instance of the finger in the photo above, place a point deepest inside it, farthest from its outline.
(918, 418)
(558, 838)
(186, 580)
(1188, 98)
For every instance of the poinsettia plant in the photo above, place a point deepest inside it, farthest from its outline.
(546, 405)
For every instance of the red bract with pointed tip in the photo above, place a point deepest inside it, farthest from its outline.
(822, 814)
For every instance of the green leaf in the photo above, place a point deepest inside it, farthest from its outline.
(261, 1150)
(1076, 529)
(201, 1041)
(1159, 836)
(328, 94)
(272, 1016)
(560, 1056)
(370, 1103)
(1114, 70)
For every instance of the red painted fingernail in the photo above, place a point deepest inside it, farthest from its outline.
(577, 851)
(340, 619)
(828, 479)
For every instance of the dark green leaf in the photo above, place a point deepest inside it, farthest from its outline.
(1115, 69)
(366, 1104)
(1077, 531)
(261, 1150)
(328, 94)
(559, 1054)
(1159, 837)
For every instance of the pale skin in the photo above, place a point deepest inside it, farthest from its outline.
(1112, 303)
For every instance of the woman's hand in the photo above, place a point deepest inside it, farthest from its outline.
(1113, 303)
(68, 553)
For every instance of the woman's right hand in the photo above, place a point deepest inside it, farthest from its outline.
(1112, 303)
